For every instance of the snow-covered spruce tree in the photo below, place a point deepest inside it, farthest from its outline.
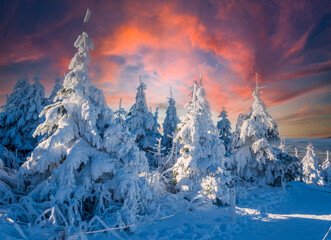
(296, 152)
(326, 170)
(282, 146)
(13, 117)
(57, 87)
(141, 123)
(310, 169)
(254, 157)
(166, 164)
(197, 85)
(158, 155)
(170, 124)
(224, 129)
(199, 171)
(19, 117)
(87, 164)
(37, 98)
(155, 159)
(156, 117)
(289, 166)
(120, 114)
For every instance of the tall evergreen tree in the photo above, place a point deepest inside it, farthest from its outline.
(310, 168)
(224, 129)
(87, 164)
(19, 117)
(141, 123)
(13, 116)
(282, 146)
(197, 84)
(170, 124)
(326, 170)
(37, 98)
(156, 117)
(120, 114)
(57, 87)
(199, 170)
(254, 157)
(296, 152)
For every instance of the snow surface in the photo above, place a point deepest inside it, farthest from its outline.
(265, 213)
(302, 212)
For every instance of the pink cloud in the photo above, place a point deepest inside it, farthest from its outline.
(169, 45)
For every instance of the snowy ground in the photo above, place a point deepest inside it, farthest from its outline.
(302, 212)
(265, 213)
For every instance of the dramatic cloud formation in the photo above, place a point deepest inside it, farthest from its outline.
(169, 42)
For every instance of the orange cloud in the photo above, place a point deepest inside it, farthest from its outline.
(169, 43)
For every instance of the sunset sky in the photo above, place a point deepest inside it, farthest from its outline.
(169, 42)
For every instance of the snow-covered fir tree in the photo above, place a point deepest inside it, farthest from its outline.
(155, 159)
(296, 152)
(158, 155)
(199, 170)
(287, 168)
(282, 145)
(19, 117)
(57, 87)
(13, 116)
(254, 157)
(141, 123)
(170, 123)
(310, 169)
(120, 114)
(224, 129)
(197, 85)
(87, 164)
(156, 117)
(37, 98)
(326, 170)
(167, 162)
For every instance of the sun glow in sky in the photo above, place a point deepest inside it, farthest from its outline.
(169, 42)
